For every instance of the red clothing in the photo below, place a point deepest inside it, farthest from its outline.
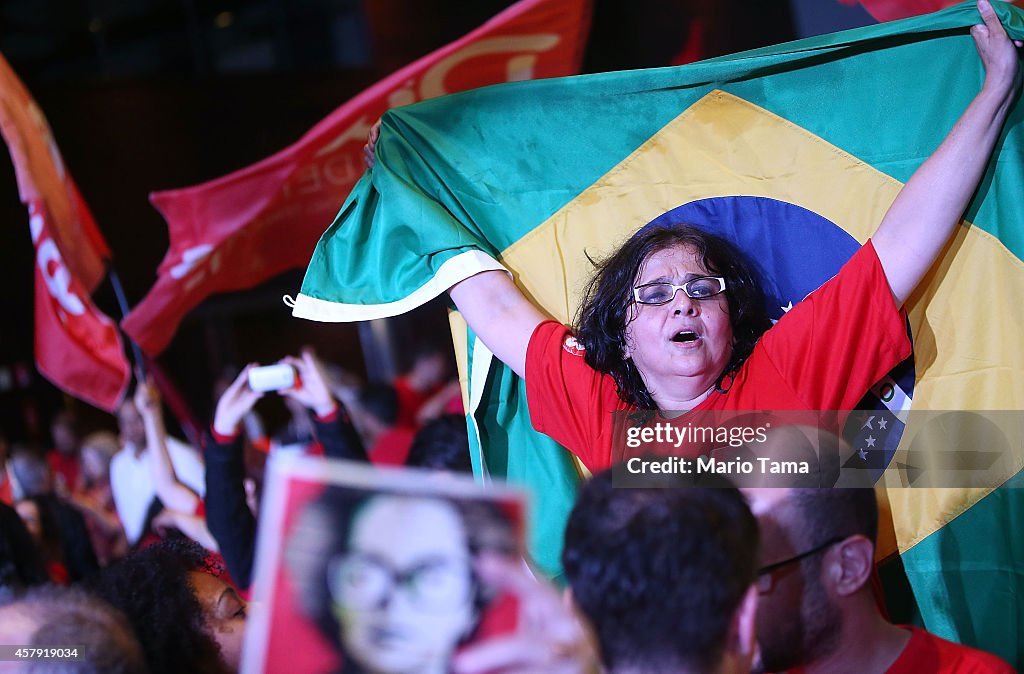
(410, 401)
(824, 354)
(392, 447)
(65, 468)
(926, 652)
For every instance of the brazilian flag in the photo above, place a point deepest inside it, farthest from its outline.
(794, 152)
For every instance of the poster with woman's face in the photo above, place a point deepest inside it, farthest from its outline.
(363, 570)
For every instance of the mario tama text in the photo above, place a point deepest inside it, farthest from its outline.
(711, 465)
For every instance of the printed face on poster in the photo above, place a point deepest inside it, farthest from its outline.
(361, 569)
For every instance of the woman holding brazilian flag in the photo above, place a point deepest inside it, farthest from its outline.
(664, 333)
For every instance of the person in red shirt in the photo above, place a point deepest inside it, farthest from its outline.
(64, 458)
(640, 343)
(416, 387)
(817, 610)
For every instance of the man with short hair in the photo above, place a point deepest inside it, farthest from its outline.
(817, 611)
(665, 576)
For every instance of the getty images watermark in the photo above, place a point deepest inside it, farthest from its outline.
(863, 448)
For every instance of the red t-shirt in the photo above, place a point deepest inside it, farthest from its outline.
(410, 401)
(824, 354)
(392, 447)
(926, 652)
(64, 468)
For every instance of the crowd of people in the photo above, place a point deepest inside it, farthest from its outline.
(141, 549)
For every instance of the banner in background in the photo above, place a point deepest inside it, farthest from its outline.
(243, 228)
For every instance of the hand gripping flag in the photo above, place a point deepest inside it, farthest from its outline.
(77, 347)
(802, 146)
(243, 228)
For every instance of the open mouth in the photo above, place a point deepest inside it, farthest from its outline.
(684, 336)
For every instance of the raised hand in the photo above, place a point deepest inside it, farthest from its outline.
(312, 390)
(998, 53)
(549, 638)
(147, 398)
(370, 148)
(235, 403)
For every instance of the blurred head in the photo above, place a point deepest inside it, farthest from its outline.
(429, 368)
(665, 576)
(98, 449)
(638, 345)
(380, 402)
(404, 601)
(398, 592)
(31, 473)
(64, 430)
(816, 563)
(442, 444)
(50, 615)
(184, 621)
(129, 422)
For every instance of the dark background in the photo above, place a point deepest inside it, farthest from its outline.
(144, 95)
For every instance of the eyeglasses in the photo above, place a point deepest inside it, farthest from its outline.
(363, 582)
(699, 288)
(765, 573)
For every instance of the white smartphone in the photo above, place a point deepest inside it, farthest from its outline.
(272, 377)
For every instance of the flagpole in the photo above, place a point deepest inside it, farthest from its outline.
(186, 418)
(122, 303)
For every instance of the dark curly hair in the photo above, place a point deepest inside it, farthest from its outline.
(151, 587)
(604, 313)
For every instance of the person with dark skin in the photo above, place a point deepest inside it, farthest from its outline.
(186, 618)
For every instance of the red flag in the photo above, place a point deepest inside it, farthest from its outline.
(77, 347)
(890, 10)
(41, 176)
(239, 230)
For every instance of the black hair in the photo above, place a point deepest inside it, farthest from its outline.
(380, 401)
(152, 588)
(824, 513)
(660, 573)
(65, 536)
(443, 444)
(21, 565)
(323, 530)
(604, 313)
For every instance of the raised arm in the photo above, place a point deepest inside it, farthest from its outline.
(929, 207)
(499, 314)
(174, 494)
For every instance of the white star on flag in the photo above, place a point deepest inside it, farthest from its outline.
(881, 424)
(868, 422)
(871, 441)
(862, 454)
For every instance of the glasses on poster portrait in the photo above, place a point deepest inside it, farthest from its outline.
(361, 582)
(766, 574)
(700, 288)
